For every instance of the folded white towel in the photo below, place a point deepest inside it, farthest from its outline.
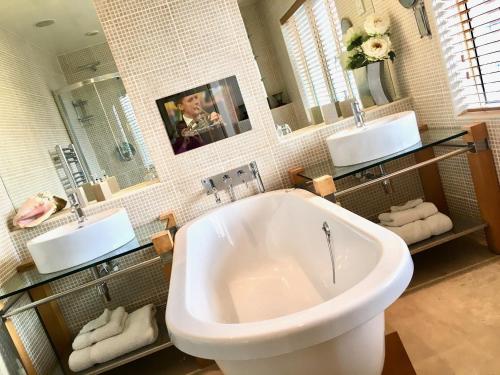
(438, 224)
(80, 360)
(422, 229)
(98, 322)
(140, 330)
(398, 219)
(412, 232)
(114, 327)
(407, 205)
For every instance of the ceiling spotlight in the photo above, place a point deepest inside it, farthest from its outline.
(92, 33)
(45, 23)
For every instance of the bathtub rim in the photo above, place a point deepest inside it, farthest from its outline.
(262, 339)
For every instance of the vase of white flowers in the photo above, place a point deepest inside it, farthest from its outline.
(367, 51)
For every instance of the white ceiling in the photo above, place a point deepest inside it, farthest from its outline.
(73, 19)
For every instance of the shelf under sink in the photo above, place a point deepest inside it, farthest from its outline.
(162, 342)
(461, 227)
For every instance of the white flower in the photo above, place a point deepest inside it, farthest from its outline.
(352, 34)
(346, 57)
(377, 48)
(376, 24)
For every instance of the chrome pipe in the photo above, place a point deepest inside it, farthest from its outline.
(404, 170)
(53, 297)
(257, 176)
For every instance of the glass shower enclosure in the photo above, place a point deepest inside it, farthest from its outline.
(102, 125)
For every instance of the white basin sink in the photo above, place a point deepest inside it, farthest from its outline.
(69, 246)
(379, 138)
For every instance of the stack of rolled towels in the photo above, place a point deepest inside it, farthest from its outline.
(112, 334)
(416, 221)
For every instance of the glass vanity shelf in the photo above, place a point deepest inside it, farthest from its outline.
(429, 138)
(31, 278)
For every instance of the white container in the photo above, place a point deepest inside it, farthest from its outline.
(252, 287)
(329, 112)
(70, 245)
(316, 116)
(378, 138)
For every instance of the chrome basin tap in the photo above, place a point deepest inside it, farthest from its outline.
(358, 113)
(77, 208)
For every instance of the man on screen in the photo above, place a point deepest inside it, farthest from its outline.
(194, 119)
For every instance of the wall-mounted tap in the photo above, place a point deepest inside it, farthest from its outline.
(214, 190)
(229, 186)
(241, 175)
(74, 201)
(258, 178)
(231, 178)
(358, 113)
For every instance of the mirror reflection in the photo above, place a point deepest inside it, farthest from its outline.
(66, 118)
(310, 68)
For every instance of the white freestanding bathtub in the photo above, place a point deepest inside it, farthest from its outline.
(252, 287)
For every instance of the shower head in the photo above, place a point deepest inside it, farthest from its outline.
(91, 66)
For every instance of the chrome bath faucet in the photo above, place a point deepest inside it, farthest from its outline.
(358, 113)
(77, 208)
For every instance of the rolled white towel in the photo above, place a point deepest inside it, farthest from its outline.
(97, 322)
(438, 224)
(140, 330)
(412, 232)
(407, 205)
(80, 360)
(398, 219)
(114, 327)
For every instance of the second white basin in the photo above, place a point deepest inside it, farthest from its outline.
(379, 138)
(69, 246)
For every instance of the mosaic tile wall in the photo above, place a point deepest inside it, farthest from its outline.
(8, 355)
(32, 334)
(8, 255)
(104, 131)
(30, 124)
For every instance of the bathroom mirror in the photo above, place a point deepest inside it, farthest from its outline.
(59, 85)
(306, 84)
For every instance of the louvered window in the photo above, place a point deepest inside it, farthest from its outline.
(470, 35)
(313, 38)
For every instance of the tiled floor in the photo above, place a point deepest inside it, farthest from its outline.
(449, 321)
(452, 326)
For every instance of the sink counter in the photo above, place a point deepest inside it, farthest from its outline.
(429, 138)
(30, 277)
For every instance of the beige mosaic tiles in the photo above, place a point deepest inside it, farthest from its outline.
(8, 256)
(32, 334)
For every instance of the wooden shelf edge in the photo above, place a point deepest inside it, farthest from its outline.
(461, 227)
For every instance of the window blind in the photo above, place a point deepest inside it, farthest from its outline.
(470, 35)
(312, 38)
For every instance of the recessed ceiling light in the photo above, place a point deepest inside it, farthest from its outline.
(92, 33)
(45, 23)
